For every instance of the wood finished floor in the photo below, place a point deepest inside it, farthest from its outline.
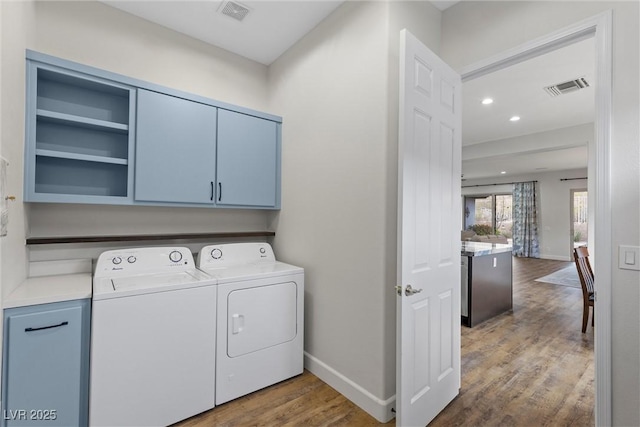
(531, 367)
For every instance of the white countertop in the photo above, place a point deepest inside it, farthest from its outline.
(43, 288)
(481, 248)
(46, 289)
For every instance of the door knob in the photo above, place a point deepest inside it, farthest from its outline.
(410, 291)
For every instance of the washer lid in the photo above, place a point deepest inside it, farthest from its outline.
(152, 280)
(252, 271)
(149, 283)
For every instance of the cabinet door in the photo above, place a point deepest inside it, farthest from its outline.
(44, 367)
(248, 153)
(175, 149)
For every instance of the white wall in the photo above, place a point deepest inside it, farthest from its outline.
(554, 214)
(331, 89)
(16, 19)
(472, 31)
(94, 34)
(339, 197)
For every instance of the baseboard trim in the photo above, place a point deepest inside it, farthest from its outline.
(556, 257)
(377, 408)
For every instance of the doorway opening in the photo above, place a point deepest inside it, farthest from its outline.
(599, 27)
(579, 208)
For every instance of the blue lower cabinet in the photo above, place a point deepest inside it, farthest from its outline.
(45, 365)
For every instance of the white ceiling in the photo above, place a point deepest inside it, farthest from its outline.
(444, 4)
(518, 90)
(268, 30)
(272, 27)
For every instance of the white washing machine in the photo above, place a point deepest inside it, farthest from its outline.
(152, 338)
(260, 323)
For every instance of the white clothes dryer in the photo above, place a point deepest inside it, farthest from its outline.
(260, 311)
(152, 346)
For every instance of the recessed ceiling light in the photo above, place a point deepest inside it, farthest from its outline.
(487, 101)
(503, 172)
(514, 118)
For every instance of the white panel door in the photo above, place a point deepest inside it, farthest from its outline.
(429, 209)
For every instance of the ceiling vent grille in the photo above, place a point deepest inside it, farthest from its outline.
(234, 10)
(567, 87)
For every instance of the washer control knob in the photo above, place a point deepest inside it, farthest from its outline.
(263, 250)
(116, 260)
(216, 253)
(131, 259)
(175, 256)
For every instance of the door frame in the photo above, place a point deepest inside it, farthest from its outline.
(600, 27)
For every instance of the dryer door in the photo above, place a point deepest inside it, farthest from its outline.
(261, 317)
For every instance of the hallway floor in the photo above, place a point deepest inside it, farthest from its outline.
(530, 367)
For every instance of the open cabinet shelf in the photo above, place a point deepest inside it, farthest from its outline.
(84, 157)
(79, 136)
(88, 122)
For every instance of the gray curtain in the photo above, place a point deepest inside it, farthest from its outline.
(525, 220)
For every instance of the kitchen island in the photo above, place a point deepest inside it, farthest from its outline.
(487, 284)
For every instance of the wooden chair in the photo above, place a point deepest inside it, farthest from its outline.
(581, 257)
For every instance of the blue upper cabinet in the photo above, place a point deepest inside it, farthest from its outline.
(175, 150)
(248, 160)
(97, 137)
(79, 140)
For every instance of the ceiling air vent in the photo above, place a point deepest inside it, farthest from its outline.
(566, 87)
(234, 10)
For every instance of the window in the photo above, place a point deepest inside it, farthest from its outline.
(489, 214)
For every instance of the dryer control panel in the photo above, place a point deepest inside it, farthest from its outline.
(142, 260)
(232, 254)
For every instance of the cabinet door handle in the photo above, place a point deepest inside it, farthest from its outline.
(46, 327)
(212, 191)
(219, 191)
